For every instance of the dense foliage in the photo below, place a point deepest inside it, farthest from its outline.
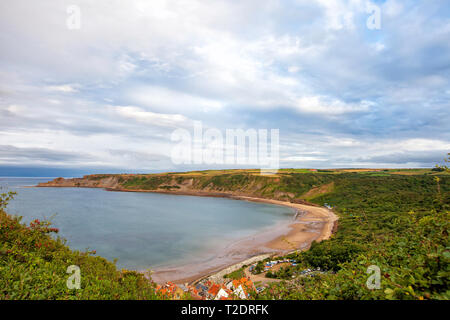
(398, 223)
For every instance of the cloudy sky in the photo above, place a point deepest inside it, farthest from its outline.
(107, 94)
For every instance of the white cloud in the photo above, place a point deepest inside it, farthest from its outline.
(152, 118)
(160, 98)
(379, 46)
(64, 88)
(293, 69)
(415, 145)
(302, 159)
(326, 106)
(16, 109)
(392, 7)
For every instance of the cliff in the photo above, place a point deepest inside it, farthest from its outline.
(285, 187)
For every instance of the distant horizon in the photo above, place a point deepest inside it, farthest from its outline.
(72, 173)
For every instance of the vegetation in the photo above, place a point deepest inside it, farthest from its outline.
(287, 184)
(395, 219)
(33, 265)
(398, 223)
(236, 275)
(146, 182)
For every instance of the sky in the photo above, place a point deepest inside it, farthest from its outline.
(101, 86)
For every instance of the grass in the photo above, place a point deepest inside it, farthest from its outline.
(236, 275)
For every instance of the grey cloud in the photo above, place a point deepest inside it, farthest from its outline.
(10, 153)
(138, 156)
(424, 158)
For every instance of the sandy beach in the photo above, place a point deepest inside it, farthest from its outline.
(316, 223)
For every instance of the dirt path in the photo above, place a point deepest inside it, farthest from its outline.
(259, 277)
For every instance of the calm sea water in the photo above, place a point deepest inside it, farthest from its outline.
(142, 230)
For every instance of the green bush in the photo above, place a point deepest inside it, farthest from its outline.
(328, 255)
(398, 223)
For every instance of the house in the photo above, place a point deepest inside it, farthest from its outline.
(201, 289)
(195, 294)
(213, 291)
(242, 287)
(223, 294)
(183, 287)
(240, 292)
(170, 290)
(208, 290)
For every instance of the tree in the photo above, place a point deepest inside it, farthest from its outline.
(5, 198)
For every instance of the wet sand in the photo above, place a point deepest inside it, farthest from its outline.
(315, 224)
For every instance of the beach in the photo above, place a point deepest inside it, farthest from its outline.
(315, 224)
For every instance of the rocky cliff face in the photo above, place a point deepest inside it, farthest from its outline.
(93, 181)
(284, 188)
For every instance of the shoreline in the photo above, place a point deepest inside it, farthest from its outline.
(316, 224)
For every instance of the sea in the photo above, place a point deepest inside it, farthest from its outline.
(141, 231)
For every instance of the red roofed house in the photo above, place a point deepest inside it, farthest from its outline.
(213, 291)
(223, 294)
(242, 287)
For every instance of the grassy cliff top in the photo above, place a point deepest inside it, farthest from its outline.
(287, 171)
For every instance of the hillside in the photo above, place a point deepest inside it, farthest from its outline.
(295, 185)
(287, 184)
(397, 220)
